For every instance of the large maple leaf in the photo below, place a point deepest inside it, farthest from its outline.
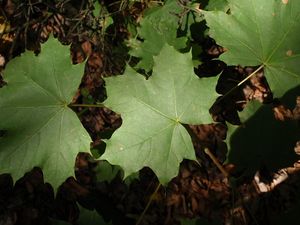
(40, 129)
(153, 113)
(261, 32)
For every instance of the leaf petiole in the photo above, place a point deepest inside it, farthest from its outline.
(240, 83)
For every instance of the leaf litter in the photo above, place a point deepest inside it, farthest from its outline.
(197, 191)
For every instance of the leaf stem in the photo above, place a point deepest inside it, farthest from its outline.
(249, 76)
(240, 83)
(148, 204)
(98, 105)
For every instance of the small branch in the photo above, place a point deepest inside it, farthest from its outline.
(148, 204)
(216, 162)
(279, 177)
(87, 105)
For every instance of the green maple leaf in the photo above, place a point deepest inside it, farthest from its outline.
(90, 217)
(154, 111)
(200, 221)
(41, 130)
(158, 27)
(261, 33)
(106, 172)
(58, 222)
(263, 140)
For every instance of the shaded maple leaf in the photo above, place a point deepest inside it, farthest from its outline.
(41, 130)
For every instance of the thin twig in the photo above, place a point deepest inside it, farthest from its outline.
(148, 204)
(216, 162)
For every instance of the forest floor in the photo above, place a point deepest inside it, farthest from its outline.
(206, 192)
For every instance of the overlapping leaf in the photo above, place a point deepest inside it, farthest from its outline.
(90, 217)
(158, 27)
(261, 33)
(154, 111)
(58, 222)
(86, 217)
(40, 129)
(200, 221)
(106, 172)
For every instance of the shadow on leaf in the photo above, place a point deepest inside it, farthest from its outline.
(263, 141)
